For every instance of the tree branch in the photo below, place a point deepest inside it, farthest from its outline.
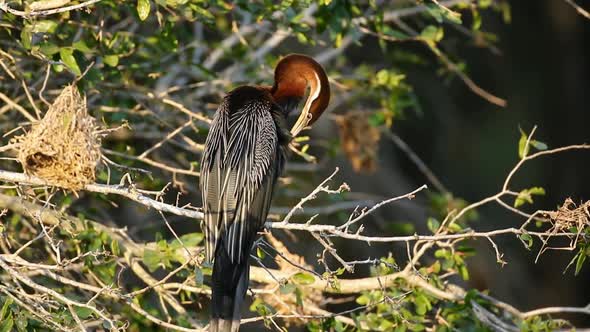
(4, 7)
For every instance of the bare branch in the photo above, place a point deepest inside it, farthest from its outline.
(578, 8)
(4, 7)
(132, 193)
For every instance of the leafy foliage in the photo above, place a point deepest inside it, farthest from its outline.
(153, 72)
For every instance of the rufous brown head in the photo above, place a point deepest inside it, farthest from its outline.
(293, 75)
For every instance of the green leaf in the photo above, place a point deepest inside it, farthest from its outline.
(388, 79)
(151, 259)
(377, 119)
(204, 14)
(388, 31)
(537, 191)
(5, 308)
(484, 3)
(506, 12)
(199, 276)
(520, 201)
(81, 46)
(418, 327)
(22, 322)
(298, 297)
(107, 325)
(433, 224)
(463, 272)
(44, 26)
(115, 249)
(523, 148)
(382, 77)
(143, 9)
(260, 253)
(303, 278)
(287, 288)
(111, 60)
(25, 38)
(455, 227)
(83, 313)
(363, 299)
(476, 25)
(435, 11)
(526, 195)
(48, 49)
(67, 57)
(439, 13)
(261, 307)
(581, 259)
(441, 253)
(422, 304)
(338, 40)
(538, 145)
(435, 267)
(301, 37)
(305, 148)
(106, 271)
(402, 228)
(192, 239)
(528, 239)
(58, 68)
(189, 240)
(452, 16)
(432, 34)
(7, 324)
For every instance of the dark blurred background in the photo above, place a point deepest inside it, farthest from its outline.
(542, 70)
(541, 67)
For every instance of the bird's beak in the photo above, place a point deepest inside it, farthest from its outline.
(302, 121)
(306, 116)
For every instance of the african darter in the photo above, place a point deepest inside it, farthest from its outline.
(245, 152)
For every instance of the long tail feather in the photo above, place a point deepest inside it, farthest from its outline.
(229, 286)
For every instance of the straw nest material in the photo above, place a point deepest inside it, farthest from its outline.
(64, 147)
(570, 217)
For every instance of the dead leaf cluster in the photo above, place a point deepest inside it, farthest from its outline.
(359, 140)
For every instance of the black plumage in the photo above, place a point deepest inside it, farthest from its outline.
(244, 155)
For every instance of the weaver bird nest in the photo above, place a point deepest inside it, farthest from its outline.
(570, 217)
(64, 147)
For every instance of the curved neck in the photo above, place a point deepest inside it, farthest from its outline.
(293, 75)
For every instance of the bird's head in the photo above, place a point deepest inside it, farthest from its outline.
(294, 74)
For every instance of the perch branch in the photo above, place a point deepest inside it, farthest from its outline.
(4, 7)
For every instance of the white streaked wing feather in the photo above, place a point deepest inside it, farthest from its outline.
(245, 148)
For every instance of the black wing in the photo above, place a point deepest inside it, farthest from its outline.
(240, 166)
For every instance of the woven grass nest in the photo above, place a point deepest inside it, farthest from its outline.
(64, 147)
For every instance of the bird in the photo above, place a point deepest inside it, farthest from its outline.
(244, 155)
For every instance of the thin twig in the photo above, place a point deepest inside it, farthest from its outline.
(4, 7)
(579, 9)
(16, 106)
